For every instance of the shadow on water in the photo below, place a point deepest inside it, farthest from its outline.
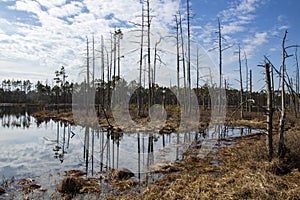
(55, 147)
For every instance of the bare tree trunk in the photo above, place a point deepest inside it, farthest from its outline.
(178, 59)
(272, 87)
(108, 104)
(220, 52)
(297, 81)
(292, 96)
(281, 146)
(87, 64)
(153, 71)
(141, 65)
(154, 66)
(241, 84)
(220, 62)
(149, 53)
(115, 58)
(247, 78)
(197, 78)
(87, 74)
(93, 62)
(102, 71)
(119, 56)
(189, 56)
(272, 82)
(269, 112)
(183, 61)
(250, 95)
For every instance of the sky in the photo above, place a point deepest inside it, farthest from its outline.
(37, 37)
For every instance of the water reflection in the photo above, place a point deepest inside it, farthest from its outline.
(60, 148)
(104, 150)
(14, 117)
(38, 147)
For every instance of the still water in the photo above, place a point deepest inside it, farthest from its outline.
(43, 150)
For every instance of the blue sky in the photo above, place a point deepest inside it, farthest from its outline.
(39, 36)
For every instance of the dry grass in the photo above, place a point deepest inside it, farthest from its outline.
(244, 173)
(47, 115)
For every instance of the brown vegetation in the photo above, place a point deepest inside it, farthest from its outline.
(242, 172)
(74, 184)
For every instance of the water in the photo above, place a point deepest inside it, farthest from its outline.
(44, 150)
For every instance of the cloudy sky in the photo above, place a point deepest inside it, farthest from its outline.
(37, 37)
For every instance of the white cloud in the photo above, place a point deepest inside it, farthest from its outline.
(235, 19)
(284, 27)
(27, 5)
(253, 42)
(273, 49)
(58, 37)
(281, 18)
(246, 18)
(238, 15)
(247, 6)
(51, 4)
(233, 28)
(240, 8)
(73, 8)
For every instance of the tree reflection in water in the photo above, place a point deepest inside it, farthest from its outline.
(100, 150)
(60, 148)
(18, 117)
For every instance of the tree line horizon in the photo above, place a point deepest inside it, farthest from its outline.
(25, 92)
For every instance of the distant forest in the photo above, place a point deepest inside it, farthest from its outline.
(25, 92)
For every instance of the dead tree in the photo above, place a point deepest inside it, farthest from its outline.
(189, 55)
(269, 112)
(93, 75)
(197, 68)
(87, 64)
(149, 51)
(183, 61)
(250, 95)
(297, 80)
(119, 36)
(177, 57)
(87, 84)
(272, 80)
(220, 49)
(287, 80)
(141, 63)
(102, 71)
(156, 58)
(247, 79)
(293, 95)
(115, 58)
(281, 146)
(241, 85)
